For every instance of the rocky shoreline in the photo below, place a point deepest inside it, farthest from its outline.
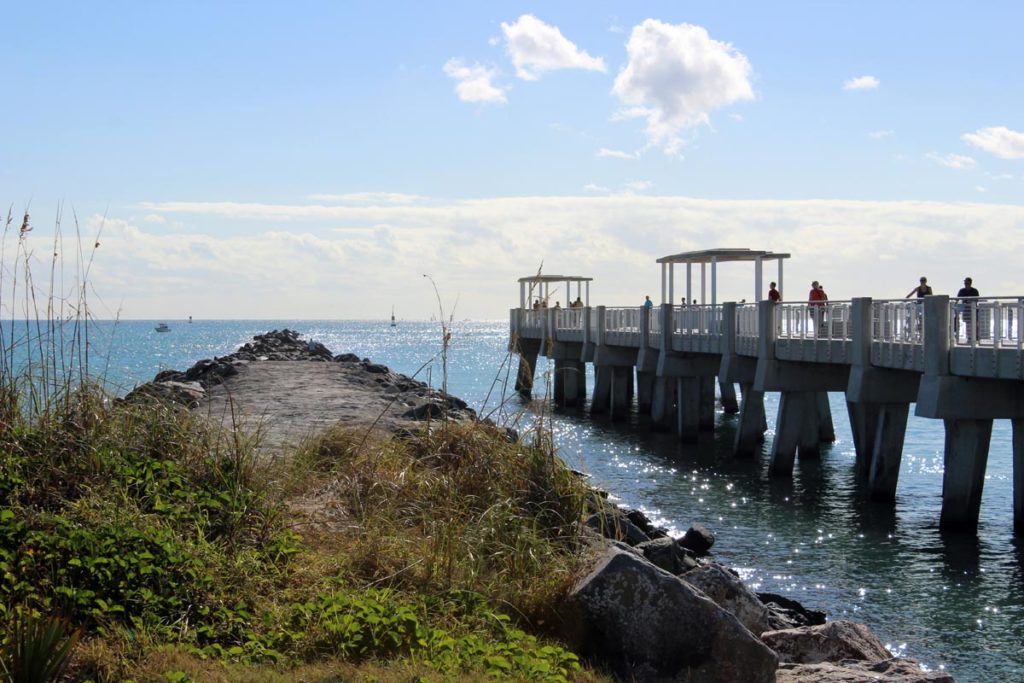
(651, 607)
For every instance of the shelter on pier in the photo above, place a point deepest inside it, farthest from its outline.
(713, 257)
(540, 287)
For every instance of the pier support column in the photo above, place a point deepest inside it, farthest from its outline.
(863, 425)
(663, 403)
(826, 430)
(687, 408)
(887, 450)
(621, 392)
(601, 400)
(727, 390)
(707, 404)
(645, 382)
(966, 455)
(527, 364)
(795, 428)
(1018, 475)
(751, 428)
(570, 382)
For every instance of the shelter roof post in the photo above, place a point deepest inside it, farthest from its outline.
(714, 280)
(758, 278)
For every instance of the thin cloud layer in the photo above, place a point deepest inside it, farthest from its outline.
(535, 48)
(473, 83)
(295, 261)
(676, 76)
(1000, 141)
(956, 161)
(861, 83)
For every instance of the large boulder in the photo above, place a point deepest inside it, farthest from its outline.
(786, 613)
(646, 624)
(885, 671)
(614, 524)
(831, 642)
(667, 554)
(699, 539)
(725, 588)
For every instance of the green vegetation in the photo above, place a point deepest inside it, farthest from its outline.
(165, 542)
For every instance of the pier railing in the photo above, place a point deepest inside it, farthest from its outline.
(897, 333)
(990, 322)
(827, 321)
(569, 319)
(747, 329)
(705, 320)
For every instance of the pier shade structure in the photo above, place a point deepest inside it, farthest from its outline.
(960, 361)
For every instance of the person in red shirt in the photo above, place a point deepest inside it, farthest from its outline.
(816, 299)
(773, 294)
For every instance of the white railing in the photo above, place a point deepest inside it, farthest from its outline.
(747, 321)
(897, 321)
(569, 319)
(827, 321)
(622, 319)
(654, 323)
(533, 318)
(991, 322)
(706, 320)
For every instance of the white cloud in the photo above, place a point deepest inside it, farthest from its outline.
(957, 161)
(861, 83)
(617, 154)
(736, 117)
(591, 187)
(981, 188)
(1001, 141)
(676, 76)
(474, 82)
(366, 198)
(639, 185)
(881, 134)
(536, 47)
(615, 28)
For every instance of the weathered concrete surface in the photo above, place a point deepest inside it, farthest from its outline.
(288, 401)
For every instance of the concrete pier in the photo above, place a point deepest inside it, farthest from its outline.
(883, 355)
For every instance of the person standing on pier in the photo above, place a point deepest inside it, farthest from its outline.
(773, 294)
(816, 299)
(922, 290)
(647, 302)
(968, 291)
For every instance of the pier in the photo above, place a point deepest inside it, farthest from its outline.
(960, 361)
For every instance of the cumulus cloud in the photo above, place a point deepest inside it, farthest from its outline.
(592, 187)
(861, 83)
(536, 47)
(676, 76)
(617, 154)
(1001, 141)
(957, 161)
(881, 134)
(474, 82)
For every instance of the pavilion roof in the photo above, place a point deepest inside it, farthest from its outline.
(721, 256)
(536, 279)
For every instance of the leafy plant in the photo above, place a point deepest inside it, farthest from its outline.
(36, 648)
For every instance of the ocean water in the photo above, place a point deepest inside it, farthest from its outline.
(952, 601)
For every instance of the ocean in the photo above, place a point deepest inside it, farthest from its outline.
(954, 602)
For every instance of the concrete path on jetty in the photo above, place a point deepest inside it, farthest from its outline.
(286, 402)
(283, 390)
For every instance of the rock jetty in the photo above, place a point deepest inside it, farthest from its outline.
(649, 608)
(286, 388)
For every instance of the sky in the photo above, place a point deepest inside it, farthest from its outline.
(316, 159)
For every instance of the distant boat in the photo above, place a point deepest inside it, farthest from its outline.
(162, 327)
(393, 317)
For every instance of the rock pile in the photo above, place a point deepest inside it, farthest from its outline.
(657, 608)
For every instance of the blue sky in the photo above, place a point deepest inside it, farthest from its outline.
(342, 148)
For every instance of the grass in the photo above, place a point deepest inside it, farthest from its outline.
(140, 542)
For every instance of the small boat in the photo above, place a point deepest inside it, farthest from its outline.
(393, 317)
(162, 327)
